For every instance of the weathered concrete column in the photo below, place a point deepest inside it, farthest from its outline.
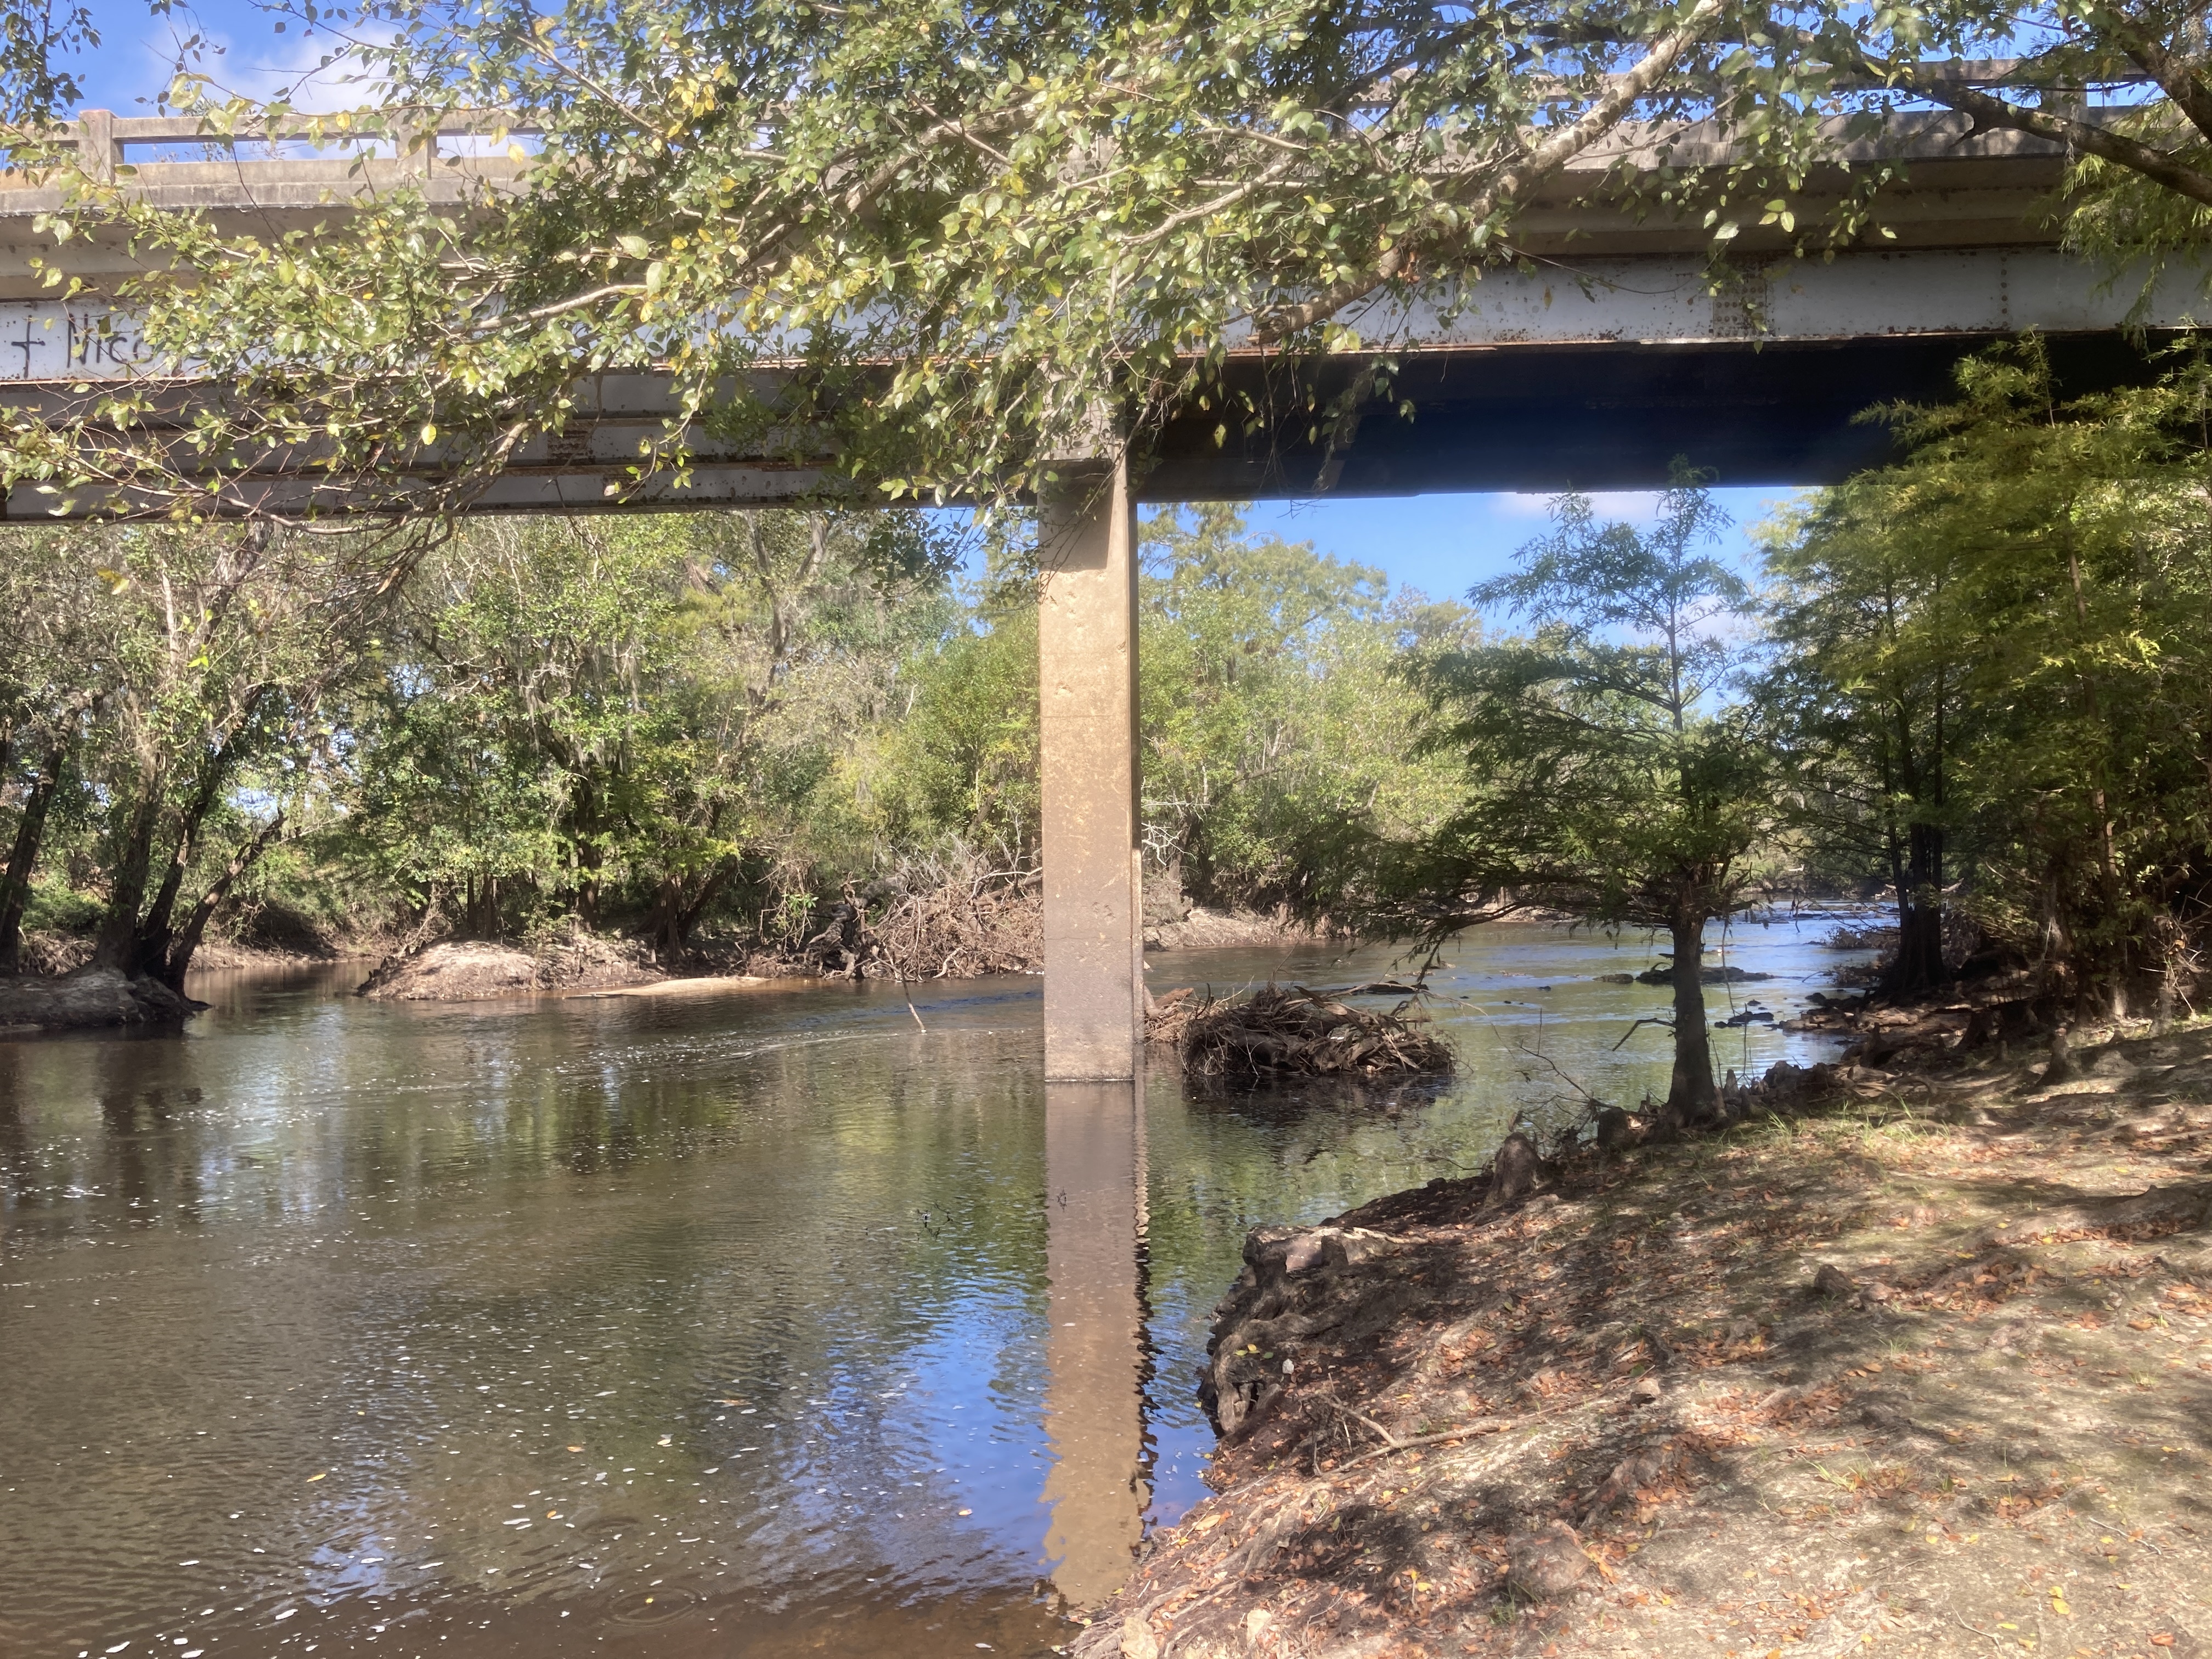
(1094, 1352)
(1087, 668)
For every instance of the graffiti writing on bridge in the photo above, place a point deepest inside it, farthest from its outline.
(47, 341)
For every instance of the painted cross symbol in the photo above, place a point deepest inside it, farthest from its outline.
(29, 342)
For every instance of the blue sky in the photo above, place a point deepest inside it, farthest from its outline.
(137, 51)
(1444, 544)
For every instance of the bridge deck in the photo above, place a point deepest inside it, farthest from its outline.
(1594, 368)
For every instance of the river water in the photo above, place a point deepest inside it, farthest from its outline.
(766, 1322)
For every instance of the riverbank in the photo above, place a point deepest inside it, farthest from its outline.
(952, 932)
(56, 995)
(60, 990)
(87, 1000)
(1923, 1366)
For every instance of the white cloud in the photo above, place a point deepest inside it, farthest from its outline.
(250, 60)
(1634, 506)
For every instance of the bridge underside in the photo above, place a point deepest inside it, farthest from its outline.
(1549, 416)
(1609, 415)
(1593, 376)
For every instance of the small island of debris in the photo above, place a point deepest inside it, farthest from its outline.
(1276, 1032)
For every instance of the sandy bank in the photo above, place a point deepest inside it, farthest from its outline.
(1197, 928)
(223, 956)
(1924, 1368)
(707, 985)
(474, 970)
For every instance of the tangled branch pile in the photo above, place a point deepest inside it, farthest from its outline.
(957, 916)
(1276, 1033)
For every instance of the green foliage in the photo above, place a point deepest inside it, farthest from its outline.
(1609, 775)
(2018, 612)
(57, 907)
(962, 759)
(1606, 773)
(1874, 617)
(1276, 738)
(2140, 231)
(623, 720)
(37, 39)
(162, 717)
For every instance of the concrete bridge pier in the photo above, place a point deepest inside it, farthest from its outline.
(1094, 999)
(1095, 1224)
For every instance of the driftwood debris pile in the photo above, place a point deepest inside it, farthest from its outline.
(1280, 1031)
(968, 923)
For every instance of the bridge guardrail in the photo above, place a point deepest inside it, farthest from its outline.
(104, 141)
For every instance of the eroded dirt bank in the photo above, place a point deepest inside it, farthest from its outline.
(1925, 1369)
(87, 998)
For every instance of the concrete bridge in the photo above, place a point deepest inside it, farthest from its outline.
(1592, 367)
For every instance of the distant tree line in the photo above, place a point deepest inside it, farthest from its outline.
(675, 727)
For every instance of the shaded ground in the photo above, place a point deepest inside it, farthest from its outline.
(1617, 1416)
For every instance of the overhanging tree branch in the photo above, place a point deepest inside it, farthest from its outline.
(1989, 110)
(1621, 96)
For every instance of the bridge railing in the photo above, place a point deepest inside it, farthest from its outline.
(111, 147)
(1966, 188)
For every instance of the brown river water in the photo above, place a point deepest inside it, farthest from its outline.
(761, 1323)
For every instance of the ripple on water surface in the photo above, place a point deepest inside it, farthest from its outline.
(760, 1323)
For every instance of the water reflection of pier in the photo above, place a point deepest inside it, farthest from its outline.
(1095, 1205)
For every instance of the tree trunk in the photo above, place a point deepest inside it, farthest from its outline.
(585, 852)
(1919, 963)
(664, 926)
(1691, 1095)
(172, 969)
(483, 909)
(23, 860)
(157, 927)
(2172, 945)
(675, 914)
(707, 889)
(117, 945)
